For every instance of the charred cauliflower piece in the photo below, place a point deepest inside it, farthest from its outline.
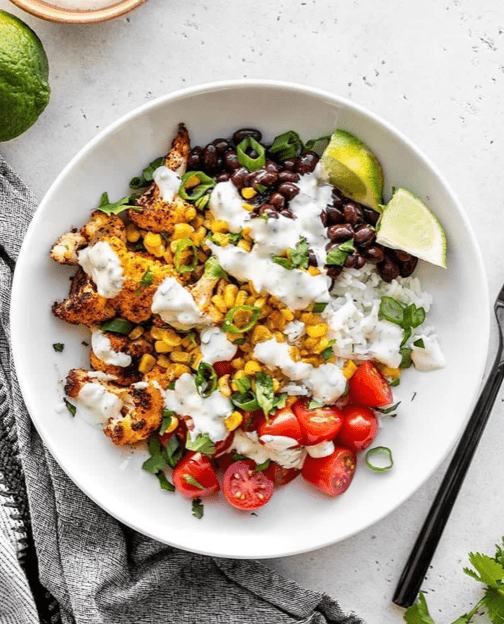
(125, 375)
(202, 293)
(157, 215)
(83, 304)
(140, 409)
(65, 249)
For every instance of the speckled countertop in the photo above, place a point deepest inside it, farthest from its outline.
(435, 70)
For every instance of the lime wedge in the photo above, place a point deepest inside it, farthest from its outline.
(352, 167)
(407, 224)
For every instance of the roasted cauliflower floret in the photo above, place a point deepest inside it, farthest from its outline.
(125, 375)
(65, 249)
(202, 293)
(157, 215)
(83, 304)
(137, 412)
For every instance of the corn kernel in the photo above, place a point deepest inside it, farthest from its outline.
(181, 357)
(241, 297)
(252, 367)
(222, 239)
(250, 301)
(174, 422)
(197, 359)
(295, 354)
(388, 371)
(198, 235)
(219, 226)
(246, 233)
(190, 214)
(219, 303)
(314, 361)
(156, 251)
(289, 316)
(309, 343)
(291, 400)
(180, 369)
(348, 369)
(152, 240)
(182, 230)
(309, 319)
(135, 333)
(146, 363)
(278, 319)
(192, 181)
(276, 385)
(170, 337)
(313, 270)
(317, 331)
(162, 347)
(260, 302)
(322, 344)
(233, 421)
(239, 374)
(248, 192)
(197, 221)
(168, 256)
(157, 333)
(243, 244)
(253, 291)
(132, 233)
(279, 336)
(246, 348)
(260, 333)
(238, 363)
(202, 256)
(224, 387)
(230, 291)
(164, 361)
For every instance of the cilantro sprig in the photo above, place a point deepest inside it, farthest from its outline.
(115, 208)
(298, 257)
(486, 570)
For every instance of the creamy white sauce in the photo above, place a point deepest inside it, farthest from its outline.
(386, 342)
(323, 449)
(294, 330)
(96, 405)
(100, 343)
(102, 264)
(283, 450)
(226, 204)
(168, 183)
(176, 306)
(296, 288)
(326, 383)
(208, 413)
(215, 346)
(430, 357)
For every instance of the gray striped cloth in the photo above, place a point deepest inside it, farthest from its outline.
(63, 559)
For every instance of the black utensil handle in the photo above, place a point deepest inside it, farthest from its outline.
(421, 555)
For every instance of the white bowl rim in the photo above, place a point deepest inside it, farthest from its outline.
(308, 90)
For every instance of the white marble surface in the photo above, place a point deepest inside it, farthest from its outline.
(435, 69)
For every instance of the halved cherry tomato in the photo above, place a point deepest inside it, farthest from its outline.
(280, 475)
(252, 420)
(332, 474)
(223, 368)
(195, 470)
(223, 446)
(319, 424)
(246, 488)
(282, 423)
(368, 387)
(359, 428)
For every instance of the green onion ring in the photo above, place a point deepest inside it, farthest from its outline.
(201, 380)
(242, 401)
(181, 245)
(198, 191)
(380, 451)
(244, 159)
(227, 325)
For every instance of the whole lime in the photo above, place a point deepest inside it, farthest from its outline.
(24, 72)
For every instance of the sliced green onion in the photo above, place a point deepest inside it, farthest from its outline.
(195, 192)
(58, 346)
(70, 406)
(418, 343)
(287, 145)
(230, 328)
(184, 243)
(379, 452)
(206, 379)
(312, 142)
(263, 466)
(319, 307)
(252, 164)
(117, 326)
(392, 310)
(147, 174)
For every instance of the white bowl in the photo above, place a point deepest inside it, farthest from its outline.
(435, 405)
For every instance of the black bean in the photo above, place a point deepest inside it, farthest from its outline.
(388, 269)
(334, 215)
(288, 190)
(353, 213)
(340, 232)
(287, 213)
(223, 177)
(268, 210)
(337, 198)
(210, 158)
(271, 166)
(265, 178)
(373, 254)
(250, 178)
(364, 236)
(333, 271)
(222, 145)
(289, 164)
(403, 256)
(350, 261)
(360, 261)
(306, 163)
(408, 266)
(231, 161)
(312, 259)
(323, 218)
(238, 177)
(370, 215)
(277, 200)
(244, 133)
(288, 176)
(194, 158)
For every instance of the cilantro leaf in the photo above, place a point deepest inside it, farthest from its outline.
(418, 613)
(202, 444)
(313, 404)
(280, 401)
(164, 483)
(243, 384)
(264, 392)
(173, 451)
(263, 466)
(147, 278)
(299, 255)
(155, 463)
(488, 571)
(166, 421)
(116, 207)
(494, 603)
(70, 407)
(192, 481)
(234, 237)
(283, 262)
(147, 174)
(213, 269)
(58, 346)
(197, 508)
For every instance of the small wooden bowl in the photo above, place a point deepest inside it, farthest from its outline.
(52, 13)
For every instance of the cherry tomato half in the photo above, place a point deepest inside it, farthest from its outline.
(195, 470)
(280, 475)
(368, 387)
(246, 488)
(223, 368)
(359, 428)
(282, 423)
(319, 424)
(332, 474)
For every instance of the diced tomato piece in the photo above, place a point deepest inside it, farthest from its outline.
(223, 368)
(280, 475)
(368, 387)
(319, 424)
